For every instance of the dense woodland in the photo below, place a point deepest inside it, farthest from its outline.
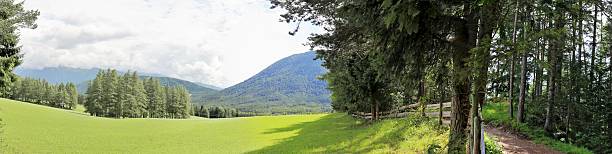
(119, 96)
(37, 91)
(549, 59)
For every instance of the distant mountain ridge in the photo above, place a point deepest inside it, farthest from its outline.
(57, 75)
(290, 85)
(81, 77)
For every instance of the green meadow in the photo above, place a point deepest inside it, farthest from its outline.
(30, 128)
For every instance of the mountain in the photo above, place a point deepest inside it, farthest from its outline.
(290, 85)
(193, 87)
(59, 74)
(208, 86)
(82, 76)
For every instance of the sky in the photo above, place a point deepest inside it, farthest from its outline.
(218, 42)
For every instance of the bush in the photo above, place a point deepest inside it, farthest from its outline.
(491, 147)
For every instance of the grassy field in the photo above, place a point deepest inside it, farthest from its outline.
(30, 128)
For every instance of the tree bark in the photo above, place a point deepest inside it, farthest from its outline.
(610, 94)
(593, 49)
(420, 95)
(496, 84)
(554, 60)
(512, 63)
(461, 87)
(523, 90)
(551, 89)
(441, 101)
(377, 109)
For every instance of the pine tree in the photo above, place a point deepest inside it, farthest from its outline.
(94, 96)
(126, 97)
(73, 96)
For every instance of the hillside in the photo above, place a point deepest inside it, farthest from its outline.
(289, 85)
(194, 88)
(30, 128)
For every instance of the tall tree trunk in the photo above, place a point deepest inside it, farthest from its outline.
(485, 33)
(480, 84)
(572, 81)
(421, 80)
(496, 84)
(610, 96)
(579, 72)
(420, 95)
(554, 60)
(461, 87)
(372, 117)
(539, 71)
(441, 101)
(523, 89)
(377, 109)
(551, 88)
(512, 63)
(594, 48)
(523, 84)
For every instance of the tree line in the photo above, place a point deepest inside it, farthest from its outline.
(127, 96)
(39, 91)
(219, 112)
(550, 59)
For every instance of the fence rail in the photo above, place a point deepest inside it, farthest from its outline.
(403, 111)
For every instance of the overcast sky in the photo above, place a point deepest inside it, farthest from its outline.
(218, 42)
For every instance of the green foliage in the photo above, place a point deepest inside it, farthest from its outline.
(497, 114)
(491, 147)
(434, 149)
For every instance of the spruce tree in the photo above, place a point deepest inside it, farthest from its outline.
(14, 17)
(140, 96)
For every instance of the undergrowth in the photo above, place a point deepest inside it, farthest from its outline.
(496, 114)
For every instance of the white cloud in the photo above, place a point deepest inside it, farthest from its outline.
(220, 42)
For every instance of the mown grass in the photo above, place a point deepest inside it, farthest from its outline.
(33, 128)
(497, 114)
(337, 133)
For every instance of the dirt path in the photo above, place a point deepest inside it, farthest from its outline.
(512, 143)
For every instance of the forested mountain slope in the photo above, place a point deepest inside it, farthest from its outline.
(288, 86)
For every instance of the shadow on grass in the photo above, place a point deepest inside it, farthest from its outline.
(339, 133)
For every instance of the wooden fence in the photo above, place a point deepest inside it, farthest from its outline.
(403, 111)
